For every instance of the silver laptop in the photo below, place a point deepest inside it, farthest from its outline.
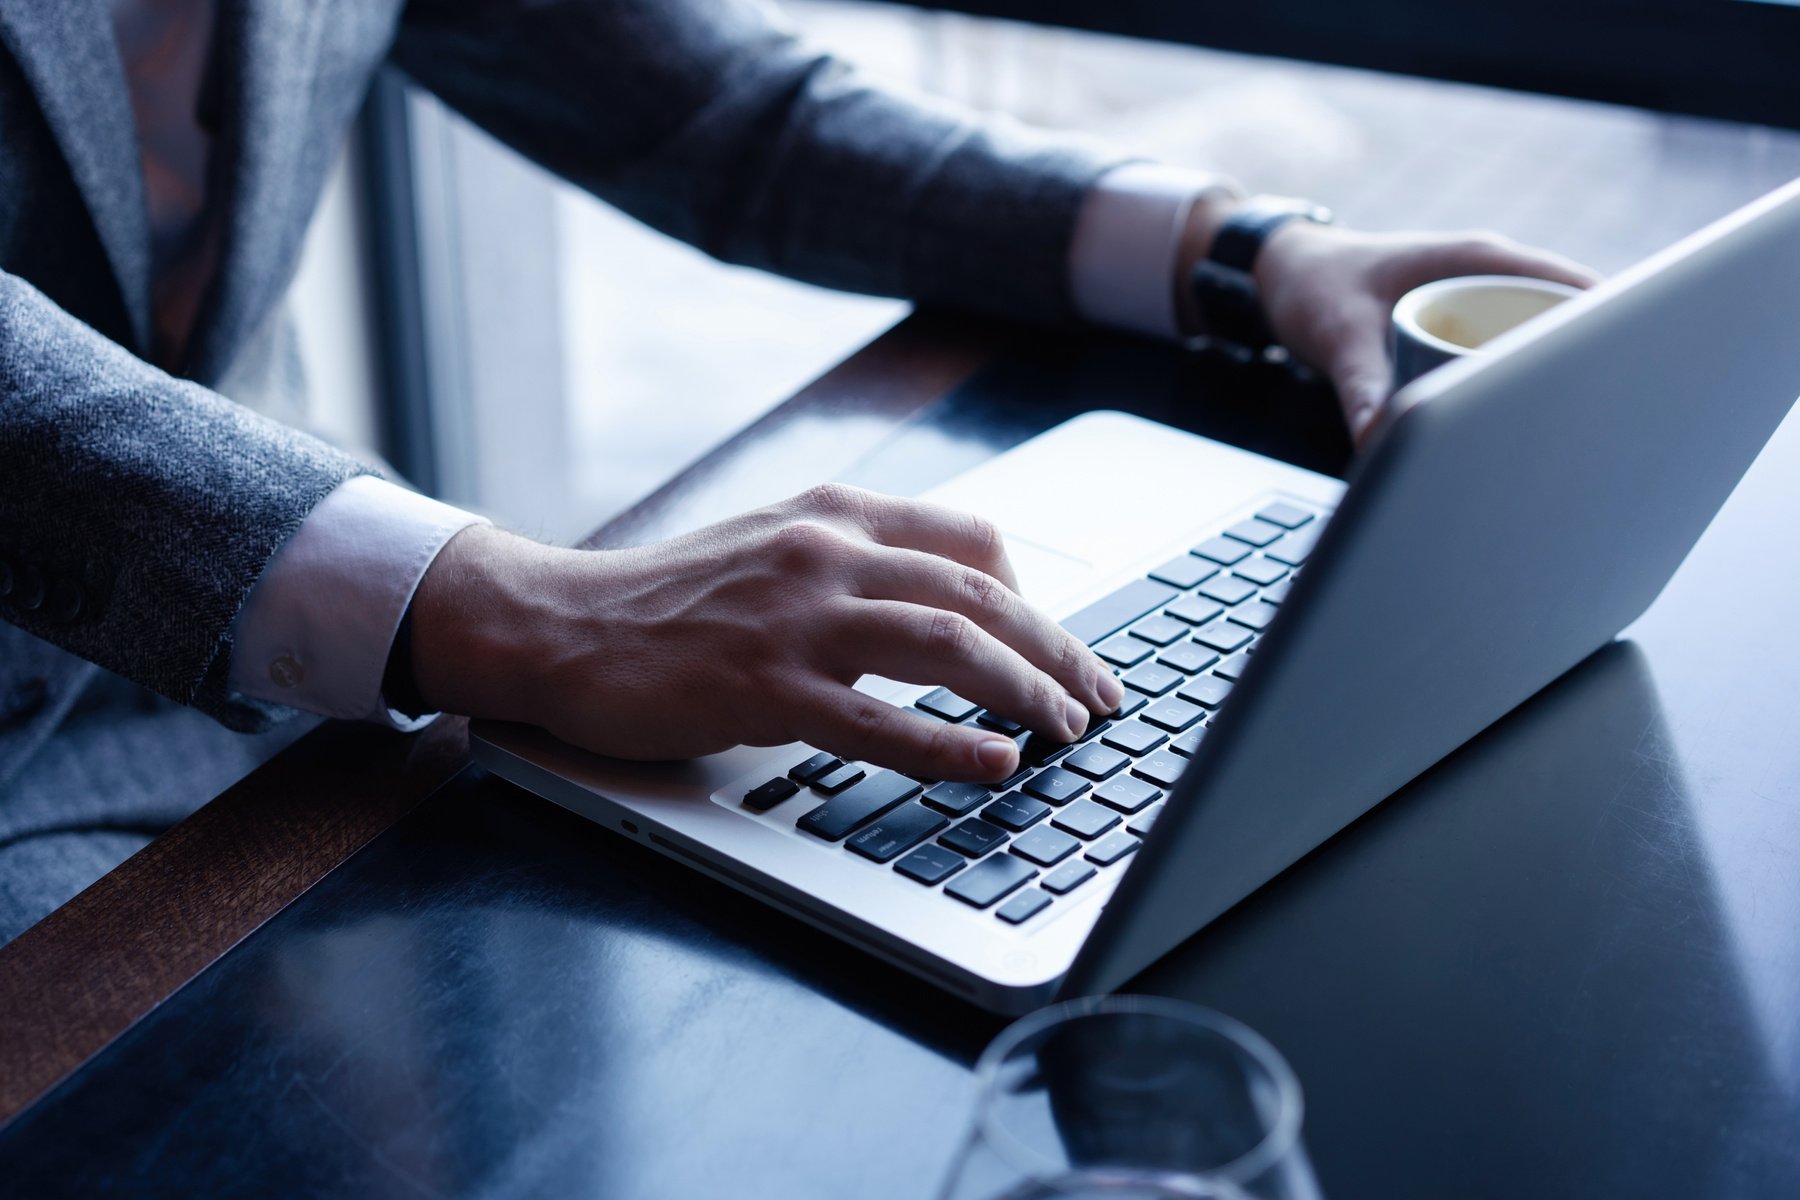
(1297, 650)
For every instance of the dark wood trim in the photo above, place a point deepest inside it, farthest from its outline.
(76, 980)
(89, 971)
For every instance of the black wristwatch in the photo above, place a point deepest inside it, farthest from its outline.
(1224, 283)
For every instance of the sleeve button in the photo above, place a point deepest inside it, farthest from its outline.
(28, 589)
(65, 601)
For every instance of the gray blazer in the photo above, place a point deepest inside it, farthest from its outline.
(138, 506)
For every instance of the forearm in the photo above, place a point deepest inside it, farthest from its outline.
(720, 128)
(136, 510)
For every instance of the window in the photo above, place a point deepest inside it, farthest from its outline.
(576, 360)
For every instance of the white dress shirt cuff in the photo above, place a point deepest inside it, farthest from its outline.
(316, 630)
(1127, 244)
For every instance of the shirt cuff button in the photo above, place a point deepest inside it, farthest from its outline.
(286, 672)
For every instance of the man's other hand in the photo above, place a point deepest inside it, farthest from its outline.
(1329, 294)
(753, 631)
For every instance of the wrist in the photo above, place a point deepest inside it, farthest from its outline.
(1226, 282)
(478, 616)
(1210, 210)
(1291, 241)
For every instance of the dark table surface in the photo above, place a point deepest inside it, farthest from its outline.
(1566, 962)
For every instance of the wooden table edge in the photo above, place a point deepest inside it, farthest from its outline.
(92, 969)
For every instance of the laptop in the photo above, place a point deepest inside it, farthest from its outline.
(1295, 649)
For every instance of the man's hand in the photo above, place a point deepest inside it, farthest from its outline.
(752, 631)
(1329, 292)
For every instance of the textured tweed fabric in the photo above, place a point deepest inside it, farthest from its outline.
(139, 505)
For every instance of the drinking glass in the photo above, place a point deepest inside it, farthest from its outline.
(1132, 1098)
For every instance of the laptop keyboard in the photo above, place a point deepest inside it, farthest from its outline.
(1178, 639)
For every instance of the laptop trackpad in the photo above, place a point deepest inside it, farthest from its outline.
(1047, 578)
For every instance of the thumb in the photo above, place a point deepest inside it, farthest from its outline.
(1363, 377)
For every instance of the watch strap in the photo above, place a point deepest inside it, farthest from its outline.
(1224, 283)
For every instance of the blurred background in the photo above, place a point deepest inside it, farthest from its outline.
(519, 348)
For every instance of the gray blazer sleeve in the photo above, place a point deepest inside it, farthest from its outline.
(136, 509)
(709, 121)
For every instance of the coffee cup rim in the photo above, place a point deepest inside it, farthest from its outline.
(1406, 309)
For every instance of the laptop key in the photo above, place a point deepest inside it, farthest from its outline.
(1022, 907)
(1097, 761)
(1223, 636)
(1223, 551)
(1261, 571)
(1085, 819)
(1233, 667)
(1056, 785)
(1195, 610)
(843, 815)
(1277, 592)
(1112, 848)
(766, 796)
(1036, 750)
(1134, 737)
(833, 782)
(1012, 781)
(1109, 614)
(1096, 727)
(1183, 572)
(1133, 701)
(974, 837)
(1161, 768)
(1254, 531)
(819, 765)
(1068, 877)
(1254, 615)
(1126, 794)
(1015, 811)
(1288, 516)
(1227, 589)
(1153, 679)
(897, 832)
(1188, 744)
(930, 865)
(1173, 714)
(1189, 658)
(1124, 651)
(992, 878)
(1208, 691)
(1159, 630)
(1294, 551)
(957, 799)
(946, 704)
(1141, 826)
(1044, 846)
(995, 721)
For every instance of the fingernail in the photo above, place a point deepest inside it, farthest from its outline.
(995, 754)
(1077, 714)
(1112, 692)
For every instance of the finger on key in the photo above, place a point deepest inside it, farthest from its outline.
(915, 644)
(917, 525)
(924, 579)
(845, 722)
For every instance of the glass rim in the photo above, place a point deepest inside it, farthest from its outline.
(1283, 1133)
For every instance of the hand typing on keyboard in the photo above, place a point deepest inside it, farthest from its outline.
(753, 631)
